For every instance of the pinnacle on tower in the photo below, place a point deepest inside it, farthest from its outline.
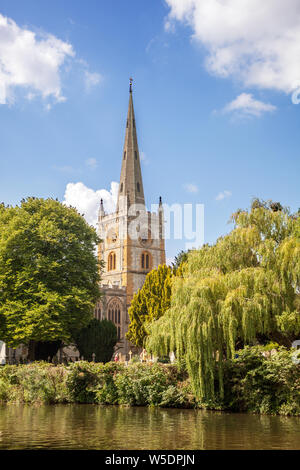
(101, 209)
(131, 184)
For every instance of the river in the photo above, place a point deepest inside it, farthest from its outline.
(115, 428)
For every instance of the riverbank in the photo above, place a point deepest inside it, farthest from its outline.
(253, 383)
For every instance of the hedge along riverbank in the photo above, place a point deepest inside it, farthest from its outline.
(103, 384)
(252, 383)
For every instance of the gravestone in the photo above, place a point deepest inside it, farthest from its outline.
(2, 353)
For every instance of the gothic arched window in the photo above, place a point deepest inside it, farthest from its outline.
(98, 311)
(138, 187)
(111, 265)
(114, 314)
(146, 260)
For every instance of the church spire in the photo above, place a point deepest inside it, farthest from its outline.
(131, 184)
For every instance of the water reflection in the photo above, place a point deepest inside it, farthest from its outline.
(95, 427)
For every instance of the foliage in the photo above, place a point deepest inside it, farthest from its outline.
(164, 360)
(258, 384)
(98, 338)
(252, 383)
(243, 289)
(154, 385)
(34, 383)
(181, 258)
(135, 385)
(85, 379)
(135, 359)
(149, 303)
(89, 382)
(177, 397)
(49, 273)
(141, 386)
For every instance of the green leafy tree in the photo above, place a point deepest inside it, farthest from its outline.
(149, 303)
(99, 338)
(49, 273)
(242, 290)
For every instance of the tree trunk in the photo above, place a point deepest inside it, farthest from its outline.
(42, 350)
(46, 349)
(31, 350)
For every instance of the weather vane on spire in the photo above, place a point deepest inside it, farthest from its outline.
(130, 81)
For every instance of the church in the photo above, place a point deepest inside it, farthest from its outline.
(132, 244)
(132, 239)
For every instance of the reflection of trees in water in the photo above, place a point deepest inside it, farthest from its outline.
(97, 427)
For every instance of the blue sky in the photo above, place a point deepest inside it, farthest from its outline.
(213, 101)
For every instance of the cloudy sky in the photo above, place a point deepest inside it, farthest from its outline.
(216, 88)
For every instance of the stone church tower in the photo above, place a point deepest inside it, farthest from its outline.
(132, 239)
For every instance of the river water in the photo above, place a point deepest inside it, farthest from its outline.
(115, 428)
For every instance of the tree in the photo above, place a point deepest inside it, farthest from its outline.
(243, 289)
(149, 303)
(99, 338)
(49, 273)
(181, 258)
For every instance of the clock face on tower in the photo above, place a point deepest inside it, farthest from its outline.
(145, 239)
(112, 236)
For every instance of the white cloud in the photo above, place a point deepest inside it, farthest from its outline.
(223, 195)
(191, 188)
(91, 79)
(87, 200)
(30, 61)
(254, 41)
(92, 163)
(246, 105)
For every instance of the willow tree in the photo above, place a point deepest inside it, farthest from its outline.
(149, 303)
(242, 290)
